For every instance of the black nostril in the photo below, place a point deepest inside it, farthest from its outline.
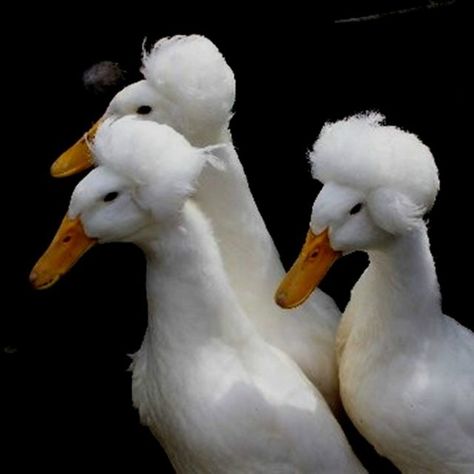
(314, 253)
(67, 239)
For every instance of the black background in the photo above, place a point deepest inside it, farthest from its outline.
(66, 380)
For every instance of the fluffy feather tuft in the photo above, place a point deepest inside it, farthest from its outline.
(365, 154)
(159, 160)
(191, 73)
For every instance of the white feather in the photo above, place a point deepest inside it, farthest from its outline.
(405, 369)
(363, 153)
(190, 87)
(192, 75)
(216, 395)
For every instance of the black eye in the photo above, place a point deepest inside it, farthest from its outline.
(356, 209)
(144, 109)
(110, 196)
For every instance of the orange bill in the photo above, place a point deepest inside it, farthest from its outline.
(67, 247)
(311, 266)
(77, 158)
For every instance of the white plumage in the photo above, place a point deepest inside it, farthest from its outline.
(380, 156)
(190, 87)
(192, 78)
(216, 395)
(405, 369)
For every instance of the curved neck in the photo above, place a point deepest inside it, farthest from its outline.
(247, 249)
(189, 298)
(403, 279)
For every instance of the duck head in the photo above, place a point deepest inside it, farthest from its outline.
(145, 173)
(378, 182)
(188, 85)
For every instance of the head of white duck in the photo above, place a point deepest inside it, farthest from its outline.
(146, 172)
(378, 183)
(187, 85)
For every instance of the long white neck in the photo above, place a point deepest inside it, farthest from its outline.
(254, 269)
(189, 298)
(249, 254)
(400, 288)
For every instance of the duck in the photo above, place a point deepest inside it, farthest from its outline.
(405, 368)
(215, 394)
(189, 86)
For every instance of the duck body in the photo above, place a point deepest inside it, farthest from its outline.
(217, 396)
(405, 368)
(189, 86)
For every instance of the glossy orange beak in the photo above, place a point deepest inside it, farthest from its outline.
(314, 261)
(77, 158)
(67, 247)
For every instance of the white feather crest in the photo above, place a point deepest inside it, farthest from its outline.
(193, 75)
(363, 153)
(160, 162)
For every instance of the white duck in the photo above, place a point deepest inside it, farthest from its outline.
(189, 86)
(405, 369)
(215, 394)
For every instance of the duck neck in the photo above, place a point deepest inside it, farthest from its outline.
(189, 298)
(248, 252)
(403, 281)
